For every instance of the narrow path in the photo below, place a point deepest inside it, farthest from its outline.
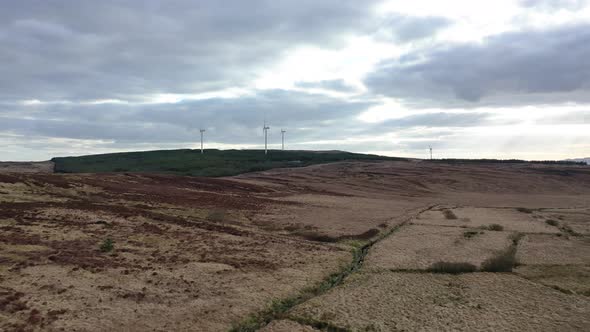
(278, 309)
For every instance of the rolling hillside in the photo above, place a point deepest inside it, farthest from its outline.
(212, 163)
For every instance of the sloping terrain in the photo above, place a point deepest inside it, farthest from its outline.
(291, 247)
(182, 248)
(210, 163)
(423, 273)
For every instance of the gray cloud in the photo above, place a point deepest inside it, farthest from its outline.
(401, 28)
(72, 52)
(307, 117)
(439, 119)
(231, 121)
(431, 126)
(127, 49)
(124, 49)
(529, 67)
(76, 51)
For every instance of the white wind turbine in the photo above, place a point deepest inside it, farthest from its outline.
(265, 129)
(283, 138)
(202, 131)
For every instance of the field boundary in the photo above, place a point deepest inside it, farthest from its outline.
(278, 308)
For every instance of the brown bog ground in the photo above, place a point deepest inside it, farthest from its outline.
(147, 252)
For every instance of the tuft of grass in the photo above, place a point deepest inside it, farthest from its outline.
(552, 222)
(516, 237)
(493, 227)
(449, 214)
(103, 223)
(496, 227)
(371, 233)
(107, 245)
(524, 210)
(503, 261)
(470, 234)
(321, 237)
(452, 268)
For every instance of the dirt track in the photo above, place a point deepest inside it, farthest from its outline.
(202, 254)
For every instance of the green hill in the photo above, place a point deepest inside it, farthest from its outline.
(212, 163)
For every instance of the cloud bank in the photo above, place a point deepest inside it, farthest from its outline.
(101, 76)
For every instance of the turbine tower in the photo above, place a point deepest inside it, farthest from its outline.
(202, 131)
(430, 147)
(283, 138)
(265, 129)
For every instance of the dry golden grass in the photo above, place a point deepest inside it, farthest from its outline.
(548, 249)
(177, 264)
(506, 218)
(567, 278)
(576, 219)
(393, 301)
(420, 246)
(196, 270)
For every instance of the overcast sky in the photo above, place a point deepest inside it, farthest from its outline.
(495, 79)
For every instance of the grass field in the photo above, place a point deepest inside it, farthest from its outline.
(212, 163)
(349, 246)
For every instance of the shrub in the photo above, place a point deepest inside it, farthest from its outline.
(449, 214)
(504, 261)
(470, 234)
(552, 222)
(107, 245)
(515, 238)
(363, 236)
(495, 227)
(452, 268)
(318, 237)
(103, 223)
(524, 210)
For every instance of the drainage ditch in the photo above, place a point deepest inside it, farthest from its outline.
(278, 308)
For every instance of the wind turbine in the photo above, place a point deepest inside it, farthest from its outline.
(430, 147)
(202, 131)
(265, 129)
(283, 137)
